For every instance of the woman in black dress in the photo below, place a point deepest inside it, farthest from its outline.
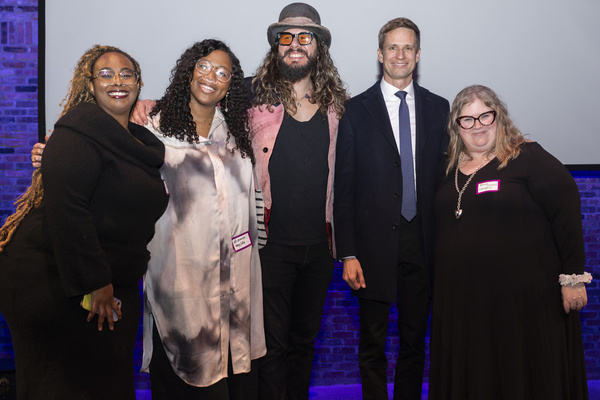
(84, 232)
(508, 225)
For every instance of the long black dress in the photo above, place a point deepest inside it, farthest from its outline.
(499, 330)
(102, 196)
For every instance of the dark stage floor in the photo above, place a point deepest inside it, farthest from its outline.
(352, 392)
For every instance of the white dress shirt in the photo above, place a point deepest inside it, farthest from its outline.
(392, 103)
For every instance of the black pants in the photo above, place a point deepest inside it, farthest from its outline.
(165, 384)
(414, 304)
(295, 283)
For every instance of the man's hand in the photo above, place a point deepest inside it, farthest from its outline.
(141, 111)
(353, 274)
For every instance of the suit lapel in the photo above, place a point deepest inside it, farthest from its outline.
(375, 106)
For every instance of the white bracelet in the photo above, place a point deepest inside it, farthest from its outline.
(574, 279)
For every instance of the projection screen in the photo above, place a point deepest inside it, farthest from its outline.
(540, 56)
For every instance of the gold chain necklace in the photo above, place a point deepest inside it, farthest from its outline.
(207, 121)
(458, 212)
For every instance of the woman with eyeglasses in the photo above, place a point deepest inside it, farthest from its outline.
(509, 274)
(79, 240)
(203, 321)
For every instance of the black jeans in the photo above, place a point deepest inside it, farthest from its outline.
(295, 283)
(414, 304)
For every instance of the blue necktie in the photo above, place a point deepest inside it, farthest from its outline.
(409, 202)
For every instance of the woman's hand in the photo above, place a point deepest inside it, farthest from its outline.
(574, 297)
(104, 304)
(36, 154)
(141, 111)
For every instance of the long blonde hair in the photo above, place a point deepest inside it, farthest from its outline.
(508, 137)
(79, 92)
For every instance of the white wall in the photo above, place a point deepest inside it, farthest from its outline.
(540, 56)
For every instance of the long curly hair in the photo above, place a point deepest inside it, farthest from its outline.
(509, 138)
(79, 92)
(176, 118)
(270, 87)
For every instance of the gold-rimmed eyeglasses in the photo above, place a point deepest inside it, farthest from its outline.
(106, 76)
(222, 73)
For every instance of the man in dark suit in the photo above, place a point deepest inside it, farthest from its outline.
(388, 150)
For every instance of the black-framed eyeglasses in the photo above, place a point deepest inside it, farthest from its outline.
(222, 73)
(485, 119)
(106, 76)
(286, 38)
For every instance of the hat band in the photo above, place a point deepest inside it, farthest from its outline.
(297, 21)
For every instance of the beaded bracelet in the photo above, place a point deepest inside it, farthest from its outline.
(574, 279)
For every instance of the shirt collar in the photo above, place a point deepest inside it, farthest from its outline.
(219, 114)
(389, 90)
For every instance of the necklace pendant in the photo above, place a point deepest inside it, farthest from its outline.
(458, 213)
(299, 104)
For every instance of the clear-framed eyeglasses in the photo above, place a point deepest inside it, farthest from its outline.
(485, 119)
(107, 76)
(222, 73)
(286, 38)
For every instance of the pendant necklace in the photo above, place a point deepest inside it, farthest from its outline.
(458, 212)
(298, 102)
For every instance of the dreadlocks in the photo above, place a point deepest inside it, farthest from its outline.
(79, 92)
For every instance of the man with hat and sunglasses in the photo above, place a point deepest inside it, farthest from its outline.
(298, 101)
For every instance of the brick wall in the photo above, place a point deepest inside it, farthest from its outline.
(18, 109)
(336, 360)
(18, 97)
(589, 189)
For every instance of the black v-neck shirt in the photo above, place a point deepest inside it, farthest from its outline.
(299, 193)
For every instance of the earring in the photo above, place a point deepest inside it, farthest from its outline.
(226, 98)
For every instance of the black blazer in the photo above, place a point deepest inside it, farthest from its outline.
(368, 185)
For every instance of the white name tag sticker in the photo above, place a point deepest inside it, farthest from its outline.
(488, 186)
(242, 241)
